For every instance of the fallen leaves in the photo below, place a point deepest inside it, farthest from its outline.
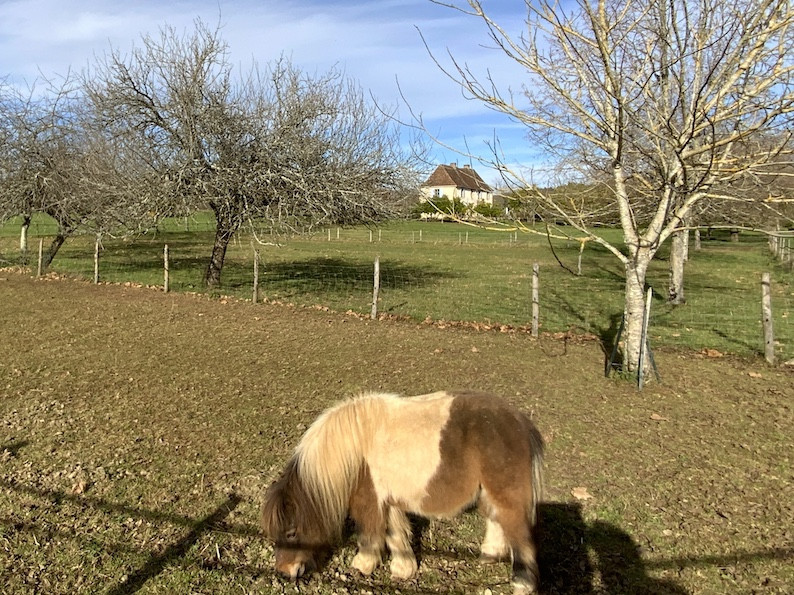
(581, 493)
(657, 417)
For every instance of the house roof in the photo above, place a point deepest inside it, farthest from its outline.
(460, 177)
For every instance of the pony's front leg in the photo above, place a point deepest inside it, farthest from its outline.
(370, 521)
(368, 556)
(398, 537)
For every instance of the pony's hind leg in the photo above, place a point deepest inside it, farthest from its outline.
(512, 517)
(494, 547)
(398, 537)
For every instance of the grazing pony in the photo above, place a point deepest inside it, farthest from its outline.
(377, 457)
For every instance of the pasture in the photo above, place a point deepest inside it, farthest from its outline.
(138, 430)
(455, 273)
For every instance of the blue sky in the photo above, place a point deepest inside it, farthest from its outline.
(376, 42)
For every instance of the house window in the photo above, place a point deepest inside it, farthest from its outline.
(437, 193)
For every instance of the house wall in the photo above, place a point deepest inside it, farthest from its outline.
(468, 197)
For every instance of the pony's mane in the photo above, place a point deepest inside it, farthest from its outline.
(331, 453)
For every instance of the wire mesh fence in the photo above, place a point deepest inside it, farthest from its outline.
(451, 273)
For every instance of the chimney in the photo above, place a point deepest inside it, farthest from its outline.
(466, 166)
(454, 164)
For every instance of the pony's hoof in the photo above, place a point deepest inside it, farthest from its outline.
(403, 567)
(522, 588)
(364, 563)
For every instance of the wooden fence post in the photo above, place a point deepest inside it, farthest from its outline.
(255, 294)
(766, 317)
(166, 270)
(41, 256)
(535, 301)
(375, 289)
(96, 260)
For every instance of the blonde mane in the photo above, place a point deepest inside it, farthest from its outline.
(331, 453)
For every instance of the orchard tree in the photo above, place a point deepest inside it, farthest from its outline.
(56, 159)
(38, 160)
(657, 95)
(277, 145)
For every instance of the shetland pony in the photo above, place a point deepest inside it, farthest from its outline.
(378, 457)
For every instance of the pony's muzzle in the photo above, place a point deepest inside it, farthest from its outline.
(297, 569)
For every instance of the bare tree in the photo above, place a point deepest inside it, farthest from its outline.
(37, 166)
(57, 160)
(657, 95)
(280, 146)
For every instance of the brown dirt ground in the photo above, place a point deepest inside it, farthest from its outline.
(138, 430)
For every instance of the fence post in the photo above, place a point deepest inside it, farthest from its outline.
(766, 317)
(255, 295)
(535, 301)
(646, 318)
(96, 260)
(41, 256)
(375, 289)
(166, 270)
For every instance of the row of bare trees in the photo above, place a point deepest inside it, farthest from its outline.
(678, 107)
(172, 128)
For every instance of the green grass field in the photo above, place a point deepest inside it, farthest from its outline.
(138, 431)
(451, 272)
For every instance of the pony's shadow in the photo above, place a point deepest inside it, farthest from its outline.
(564, 541)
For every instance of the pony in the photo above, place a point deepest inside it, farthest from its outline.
(379, 457)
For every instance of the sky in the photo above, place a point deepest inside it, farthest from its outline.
(375, 42)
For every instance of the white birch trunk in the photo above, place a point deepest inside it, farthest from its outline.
(634, 312)
(678, 257)
(23, 237)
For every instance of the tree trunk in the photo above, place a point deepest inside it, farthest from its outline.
(49, 255)
(23, 235)
(633, 314)
(226, 224)
(678, 256)
(223, 236)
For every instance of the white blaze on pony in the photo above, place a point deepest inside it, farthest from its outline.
(377, 457)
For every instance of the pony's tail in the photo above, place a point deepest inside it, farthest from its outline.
(536, 463)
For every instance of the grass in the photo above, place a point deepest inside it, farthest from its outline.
(456, 273)
(138, 430)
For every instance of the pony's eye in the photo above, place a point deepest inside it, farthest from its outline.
(291, 535)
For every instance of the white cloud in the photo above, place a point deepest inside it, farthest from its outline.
(377, 43)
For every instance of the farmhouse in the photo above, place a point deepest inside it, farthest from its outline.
(462, 183)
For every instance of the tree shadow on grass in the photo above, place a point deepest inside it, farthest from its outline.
(564, 543)
(156, 563)
(307, 275)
